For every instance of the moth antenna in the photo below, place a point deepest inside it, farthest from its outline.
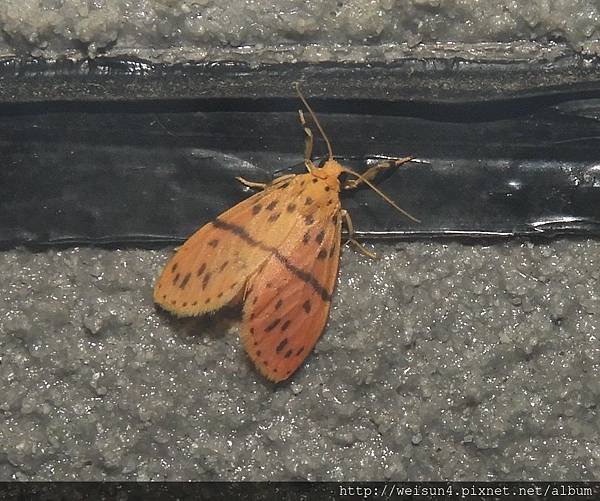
(315, 119)
(381, 194)
(166, 129)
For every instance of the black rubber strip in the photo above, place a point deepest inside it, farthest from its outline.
(151, 173)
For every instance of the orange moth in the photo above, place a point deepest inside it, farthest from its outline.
(277, 252)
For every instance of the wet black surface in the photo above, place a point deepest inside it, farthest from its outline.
(150, 173)
(449, 77)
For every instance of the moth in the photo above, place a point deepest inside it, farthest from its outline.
(277, 252)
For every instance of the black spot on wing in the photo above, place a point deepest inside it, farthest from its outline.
(272, 325)
(205, 280)
(282, 345)
(185, 280)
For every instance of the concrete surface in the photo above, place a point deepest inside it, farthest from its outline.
(293, 30)
(441, 361)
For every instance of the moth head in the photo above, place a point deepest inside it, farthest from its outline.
(332, 169)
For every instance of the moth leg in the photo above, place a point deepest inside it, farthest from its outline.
(251, 184)
(371, 172)
(350, 227)
(308, 147)
(262, 186)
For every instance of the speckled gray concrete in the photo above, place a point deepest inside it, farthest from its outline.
(295, 30)
(441, 361)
